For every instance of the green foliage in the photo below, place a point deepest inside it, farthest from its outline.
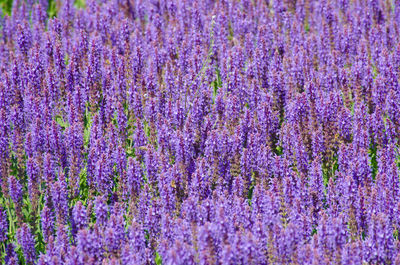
(251, 189)
(83, 186)
(40, 245)
(27, 210)
(8, 205)
(6, 6)
(329, 168)
(2, 250)
(66, 59)
(52, 9)
(278, 150)
(60, 121)
(80, 3)
(374, 163)
(14, 164)
(87, 122)
(216, 84)
(306, 26)
(146, 129)
(158, 259)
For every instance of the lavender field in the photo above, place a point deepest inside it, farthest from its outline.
(199, 132)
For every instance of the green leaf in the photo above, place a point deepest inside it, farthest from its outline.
(87, 121)
(66, 59)
(80, 3)
(52, 9)
(158, 259)
(6, 6)
(61, 122)
(26, 213)
(83, 187)
(373, 161)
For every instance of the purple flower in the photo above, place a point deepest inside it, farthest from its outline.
(3, 225)
(27, 242)
(114, 234)
(60, 198)
(89, 245)
(24, 39)
(185, 132)
(11, 256)
(101, 211)
(103, 174)
(79, 216)
(47, 221)
(15, 190)
(33, 172)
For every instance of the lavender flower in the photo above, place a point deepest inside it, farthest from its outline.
(186, 132)
(47, 219)
(3, 225)
(27, 242)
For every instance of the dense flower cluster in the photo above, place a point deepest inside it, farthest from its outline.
(200, 132)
